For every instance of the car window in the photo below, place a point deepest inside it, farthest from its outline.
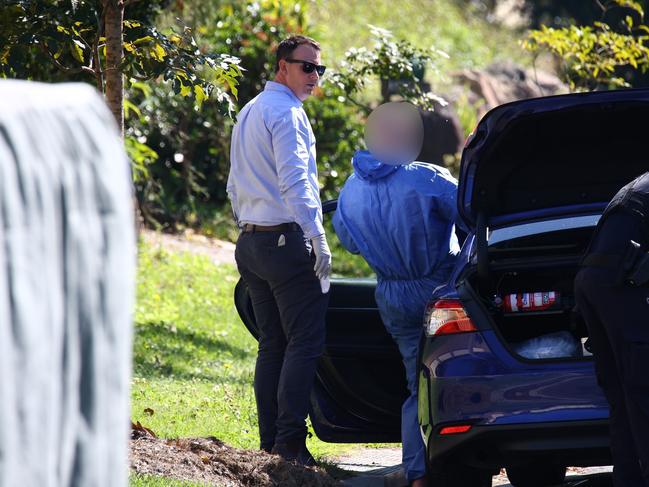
(570, 241)
(541, 227)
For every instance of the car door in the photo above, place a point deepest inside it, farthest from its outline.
(360, 382)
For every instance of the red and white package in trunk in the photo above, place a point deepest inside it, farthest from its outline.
(536, 301)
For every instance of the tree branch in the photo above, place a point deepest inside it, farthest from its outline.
(66, 69)
(138, 77)
(362, 106)
(84, 41)
(97, 67)
(99, 79)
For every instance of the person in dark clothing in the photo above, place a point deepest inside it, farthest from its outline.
(282, 252)
(616, 311)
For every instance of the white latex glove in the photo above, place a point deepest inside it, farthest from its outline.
(322, 256)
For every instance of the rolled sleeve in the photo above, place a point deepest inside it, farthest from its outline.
(291, 141)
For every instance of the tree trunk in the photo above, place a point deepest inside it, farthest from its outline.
(114, 81)
(113, 77)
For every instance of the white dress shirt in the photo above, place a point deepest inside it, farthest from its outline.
(273, 175)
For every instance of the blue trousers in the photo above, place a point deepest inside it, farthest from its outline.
(407, 335)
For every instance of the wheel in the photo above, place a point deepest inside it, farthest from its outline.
(536, 475)
(458, 475)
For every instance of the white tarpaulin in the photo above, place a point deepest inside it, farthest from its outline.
(67, 264)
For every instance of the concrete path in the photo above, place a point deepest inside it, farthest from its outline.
(379, 467)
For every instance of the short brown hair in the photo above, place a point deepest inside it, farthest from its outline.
(290, 44)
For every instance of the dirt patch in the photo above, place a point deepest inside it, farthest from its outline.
(210, 461)
(219, 251)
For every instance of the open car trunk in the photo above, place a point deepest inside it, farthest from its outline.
(535, 162)
(529, 294)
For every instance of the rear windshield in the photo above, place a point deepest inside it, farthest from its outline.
(565, 241)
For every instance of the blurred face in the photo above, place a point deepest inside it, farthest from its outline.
(394, 133)
(292, 73)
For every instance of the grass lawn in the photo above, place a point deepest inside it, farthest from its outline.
(460, 30)
(137, 480)
(193, 357)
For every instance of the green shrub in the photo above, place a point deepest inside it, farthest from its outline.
(605, 55)
(186, 184)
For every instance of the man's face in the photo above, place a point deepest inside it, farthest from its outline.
(301, 83)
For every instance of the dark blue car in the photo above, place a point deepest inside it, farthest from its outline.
(535, 177)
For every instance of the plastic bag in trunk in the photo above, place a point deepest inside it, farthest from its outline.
(562, 344)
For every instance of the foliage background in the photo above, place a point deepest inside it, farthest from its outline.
(180, 152)
(185, 186)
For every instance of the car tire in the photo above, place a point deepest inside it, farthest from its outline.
(536, 476)
(459, 475)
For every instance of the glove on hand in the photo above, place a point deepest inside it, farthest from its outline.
(322, 256)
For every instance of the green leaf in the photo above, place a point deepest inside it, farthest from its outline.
(200, 95)
(141, 156)
(158, 52)
(129, 107)
(232, 84)
(143, 40)
(630, 4)
(185, 90)
(143, 87)
(76, 48)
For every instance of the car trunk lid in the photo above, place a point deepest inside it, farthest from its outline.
(566, 154)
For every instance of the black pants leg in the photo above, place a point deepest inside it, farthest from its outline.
(270, 356)
(617, 317)
(609, 377)
(290, 313)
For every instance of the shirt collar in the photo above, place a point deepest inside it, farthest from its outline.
(275, 86)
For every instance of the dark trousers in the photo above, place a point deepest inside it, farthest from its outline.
(617, 317)
(289, 309)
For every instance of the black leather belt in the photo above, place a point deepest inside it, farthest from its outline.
(282, 227)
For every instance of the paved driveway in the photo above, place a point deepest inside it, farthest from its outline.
(379, 467)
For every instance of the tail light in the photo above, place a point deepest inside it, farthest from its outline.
(455, 430)
(447, 317)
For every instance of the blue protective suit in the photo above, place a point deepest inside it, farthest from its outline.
(401, 220)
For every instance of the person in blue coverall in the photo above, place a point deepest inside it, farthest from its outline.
(401, 218)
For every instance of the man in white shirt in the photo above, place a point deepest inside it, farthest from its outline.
(282, 252)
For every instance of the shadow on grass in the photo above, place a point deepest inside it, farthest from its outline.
(162, 350)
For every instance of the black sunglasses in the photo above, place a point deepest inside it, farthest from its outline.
(308, 67)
